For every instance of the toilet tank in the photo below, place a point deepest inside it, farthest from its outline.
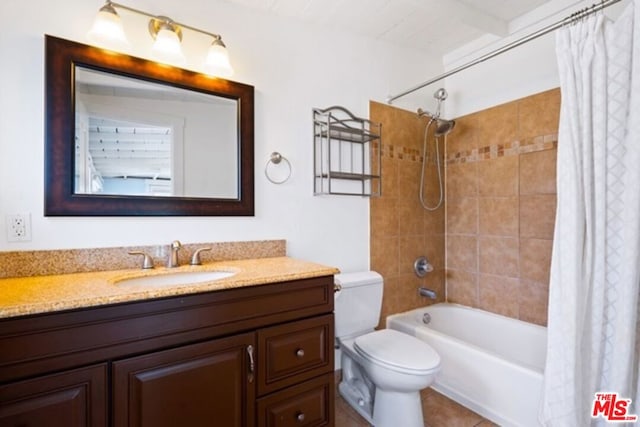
(358, 303)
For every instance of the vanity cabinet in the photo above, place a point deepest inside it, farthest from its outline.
(249, 356)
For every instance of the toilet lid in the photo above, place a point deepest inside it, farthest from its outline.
(397, 351)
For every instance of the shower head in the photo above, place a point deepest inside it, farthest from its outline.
(441, 94)
(443, 127)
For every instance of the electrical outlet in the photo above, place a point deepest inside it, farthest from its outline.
(19, 227)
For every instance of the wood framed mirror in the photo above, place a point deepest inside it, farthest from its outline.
(129, 137)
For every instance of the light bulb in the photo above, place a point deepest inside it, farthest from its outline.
(167, 47)
(217, 61)
(107, 30)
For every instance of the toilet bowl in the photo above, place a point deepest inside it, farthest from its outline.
(382, 371)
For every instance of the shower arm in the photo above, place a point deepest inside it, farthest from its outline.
(596, 7)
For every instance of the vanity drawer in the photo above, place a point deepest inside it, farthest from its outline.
(307, 404)
(294, 352)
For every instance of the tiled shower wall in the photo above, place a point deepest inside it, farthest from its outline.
(401, 230)
(500, 209)
(501, 199)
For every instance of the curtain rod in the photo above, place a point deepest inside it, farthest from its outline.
(596, 7)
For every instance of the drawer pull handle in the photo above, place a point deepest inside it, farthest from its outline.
(300, 354)
(252, 364)
(300, 417)
(337, 287)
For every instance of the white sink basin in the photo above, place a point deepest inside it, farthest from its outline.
(178, 278)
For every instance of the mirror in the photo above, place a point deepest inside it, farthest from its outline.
(134, 137)
(126, 136)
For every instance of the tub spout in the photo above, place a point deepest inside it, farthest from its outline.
(427, 293)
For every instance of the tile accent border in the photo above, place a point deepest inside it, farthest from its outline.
(401, 152)
(488, 152)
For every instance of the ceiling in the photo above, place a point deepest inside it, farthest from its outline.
(435, 26)
(122, 149)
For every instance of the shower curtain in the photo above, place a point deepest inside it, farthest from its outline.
(593, 339)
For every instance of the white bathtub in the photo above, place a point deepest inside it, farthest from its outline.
(491, 364)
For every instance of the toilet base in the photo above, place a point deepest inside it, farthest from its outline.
(390, 406)
(356, 388)
(382, 396)
(357, 401)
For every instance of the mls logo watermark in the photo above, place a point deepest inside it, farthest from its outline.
(612, 408)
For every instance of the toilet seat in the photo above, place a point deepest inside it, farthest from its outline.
(398, 352)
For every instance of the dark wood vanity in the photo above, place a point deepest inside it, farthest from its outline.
(250, 356)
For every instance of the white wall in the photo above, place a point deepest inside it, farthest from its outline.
(294, 67)
(525, 70)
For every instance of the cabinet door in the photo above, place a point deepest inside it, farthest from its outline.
(68, 399)
(206, 384)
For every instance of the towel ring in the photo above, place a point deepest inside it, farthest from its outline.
(276, 158)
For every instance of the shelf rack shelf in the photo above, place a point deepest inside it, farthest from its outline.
(347, 155)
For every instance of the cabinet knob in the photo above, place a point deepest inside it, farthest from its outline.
(300, 353)
(300, 417)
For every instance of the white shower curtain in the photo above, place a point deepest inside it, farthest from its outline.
(594, 342)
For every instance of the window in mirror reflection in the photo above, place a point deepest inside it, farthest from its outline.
(120, 157)
(135, 137)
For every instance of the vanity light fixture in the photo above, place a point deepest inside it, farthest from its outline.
(107, 31)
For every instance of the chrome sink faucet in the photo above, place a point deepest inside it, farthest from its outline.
(172, 261)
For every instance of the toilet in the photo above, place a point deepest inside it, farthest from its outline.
(383, 371)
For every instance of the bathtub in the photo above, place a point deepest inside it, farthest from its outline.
(491, 364)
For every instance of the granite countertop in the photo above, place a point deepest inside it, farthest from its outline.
(43, 294)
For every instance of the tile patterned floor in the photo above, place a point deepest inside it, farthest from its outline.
(438, 411)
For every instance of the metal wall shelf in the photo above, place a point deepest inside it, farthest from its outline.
(350, 135)
(347, 155)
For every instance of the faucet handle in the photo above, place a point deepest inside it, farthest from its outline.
(147, 262)
(422, 266)
(195, 259)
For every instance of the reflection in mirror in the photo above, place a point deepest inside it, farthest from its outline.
(135, 137)
(126, 136)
